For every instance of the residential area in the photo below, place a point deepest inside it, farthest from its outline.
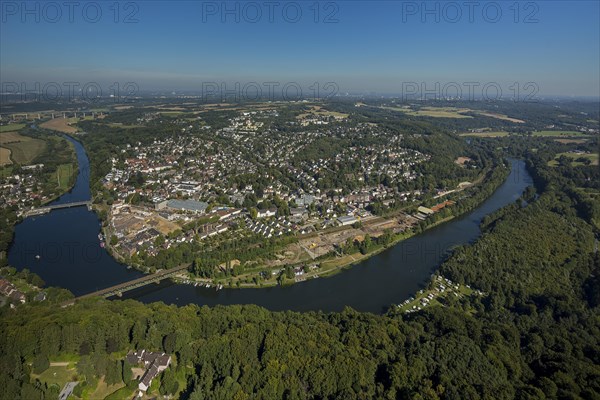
(298, 196)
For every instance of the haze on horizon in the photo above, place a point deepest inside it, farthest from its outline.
(361, 46)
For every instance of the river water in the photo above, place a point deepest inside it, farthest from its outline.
(71, 257)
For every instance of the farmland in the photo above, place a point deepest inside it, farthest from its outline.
(318, 110)
(11, 127)
(487, 134)
(60, 125)
(4, 156)
(23, 149)
(501, 116)
(434, 112)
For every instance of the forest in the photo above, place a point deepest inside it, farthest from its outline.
(534, 334)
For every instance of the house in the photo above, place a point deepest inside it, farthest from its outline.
(9, 290)
(266, 213)
(134, 358)
(160, 363)
(299, 212)
(228, 213)
(154, 363)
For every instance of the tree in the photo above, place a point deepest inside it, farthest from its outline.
(289, 272)
(169, 384)
(40, 364)
(29, 391)
(85, 367)
(84, 348)
(169, 342)
(127, 374)
(366, 244)
(114, 372)
(253, 213)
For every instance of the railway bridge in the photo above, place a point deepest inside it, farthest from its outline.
(118, 290)
(47, 209)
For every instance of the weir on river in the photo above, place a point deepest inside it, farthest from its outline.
(71, 257)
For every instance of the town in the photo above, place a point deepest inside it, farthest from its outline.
(248, 182)
(263, 194)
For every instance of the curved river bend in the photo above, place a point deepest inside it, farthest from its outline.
(71, 257)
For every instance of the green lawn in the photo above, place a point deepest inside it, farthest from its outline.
(59, 375)
(11, 127)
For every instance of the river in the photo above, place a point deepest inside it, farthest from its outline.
(71, 257)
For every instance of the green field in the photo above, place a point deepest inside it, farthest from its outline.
(434, 112)
(593, 157)
(11, 127)
(64, 175)
(121, 125)
(23, 148)
(490, 134)
(558, 133)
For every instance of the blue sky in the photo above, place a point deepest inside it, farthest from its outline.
(373, 46)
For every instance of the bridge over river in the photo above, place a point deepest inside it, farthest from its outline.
(118, 290)
(47, 209)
